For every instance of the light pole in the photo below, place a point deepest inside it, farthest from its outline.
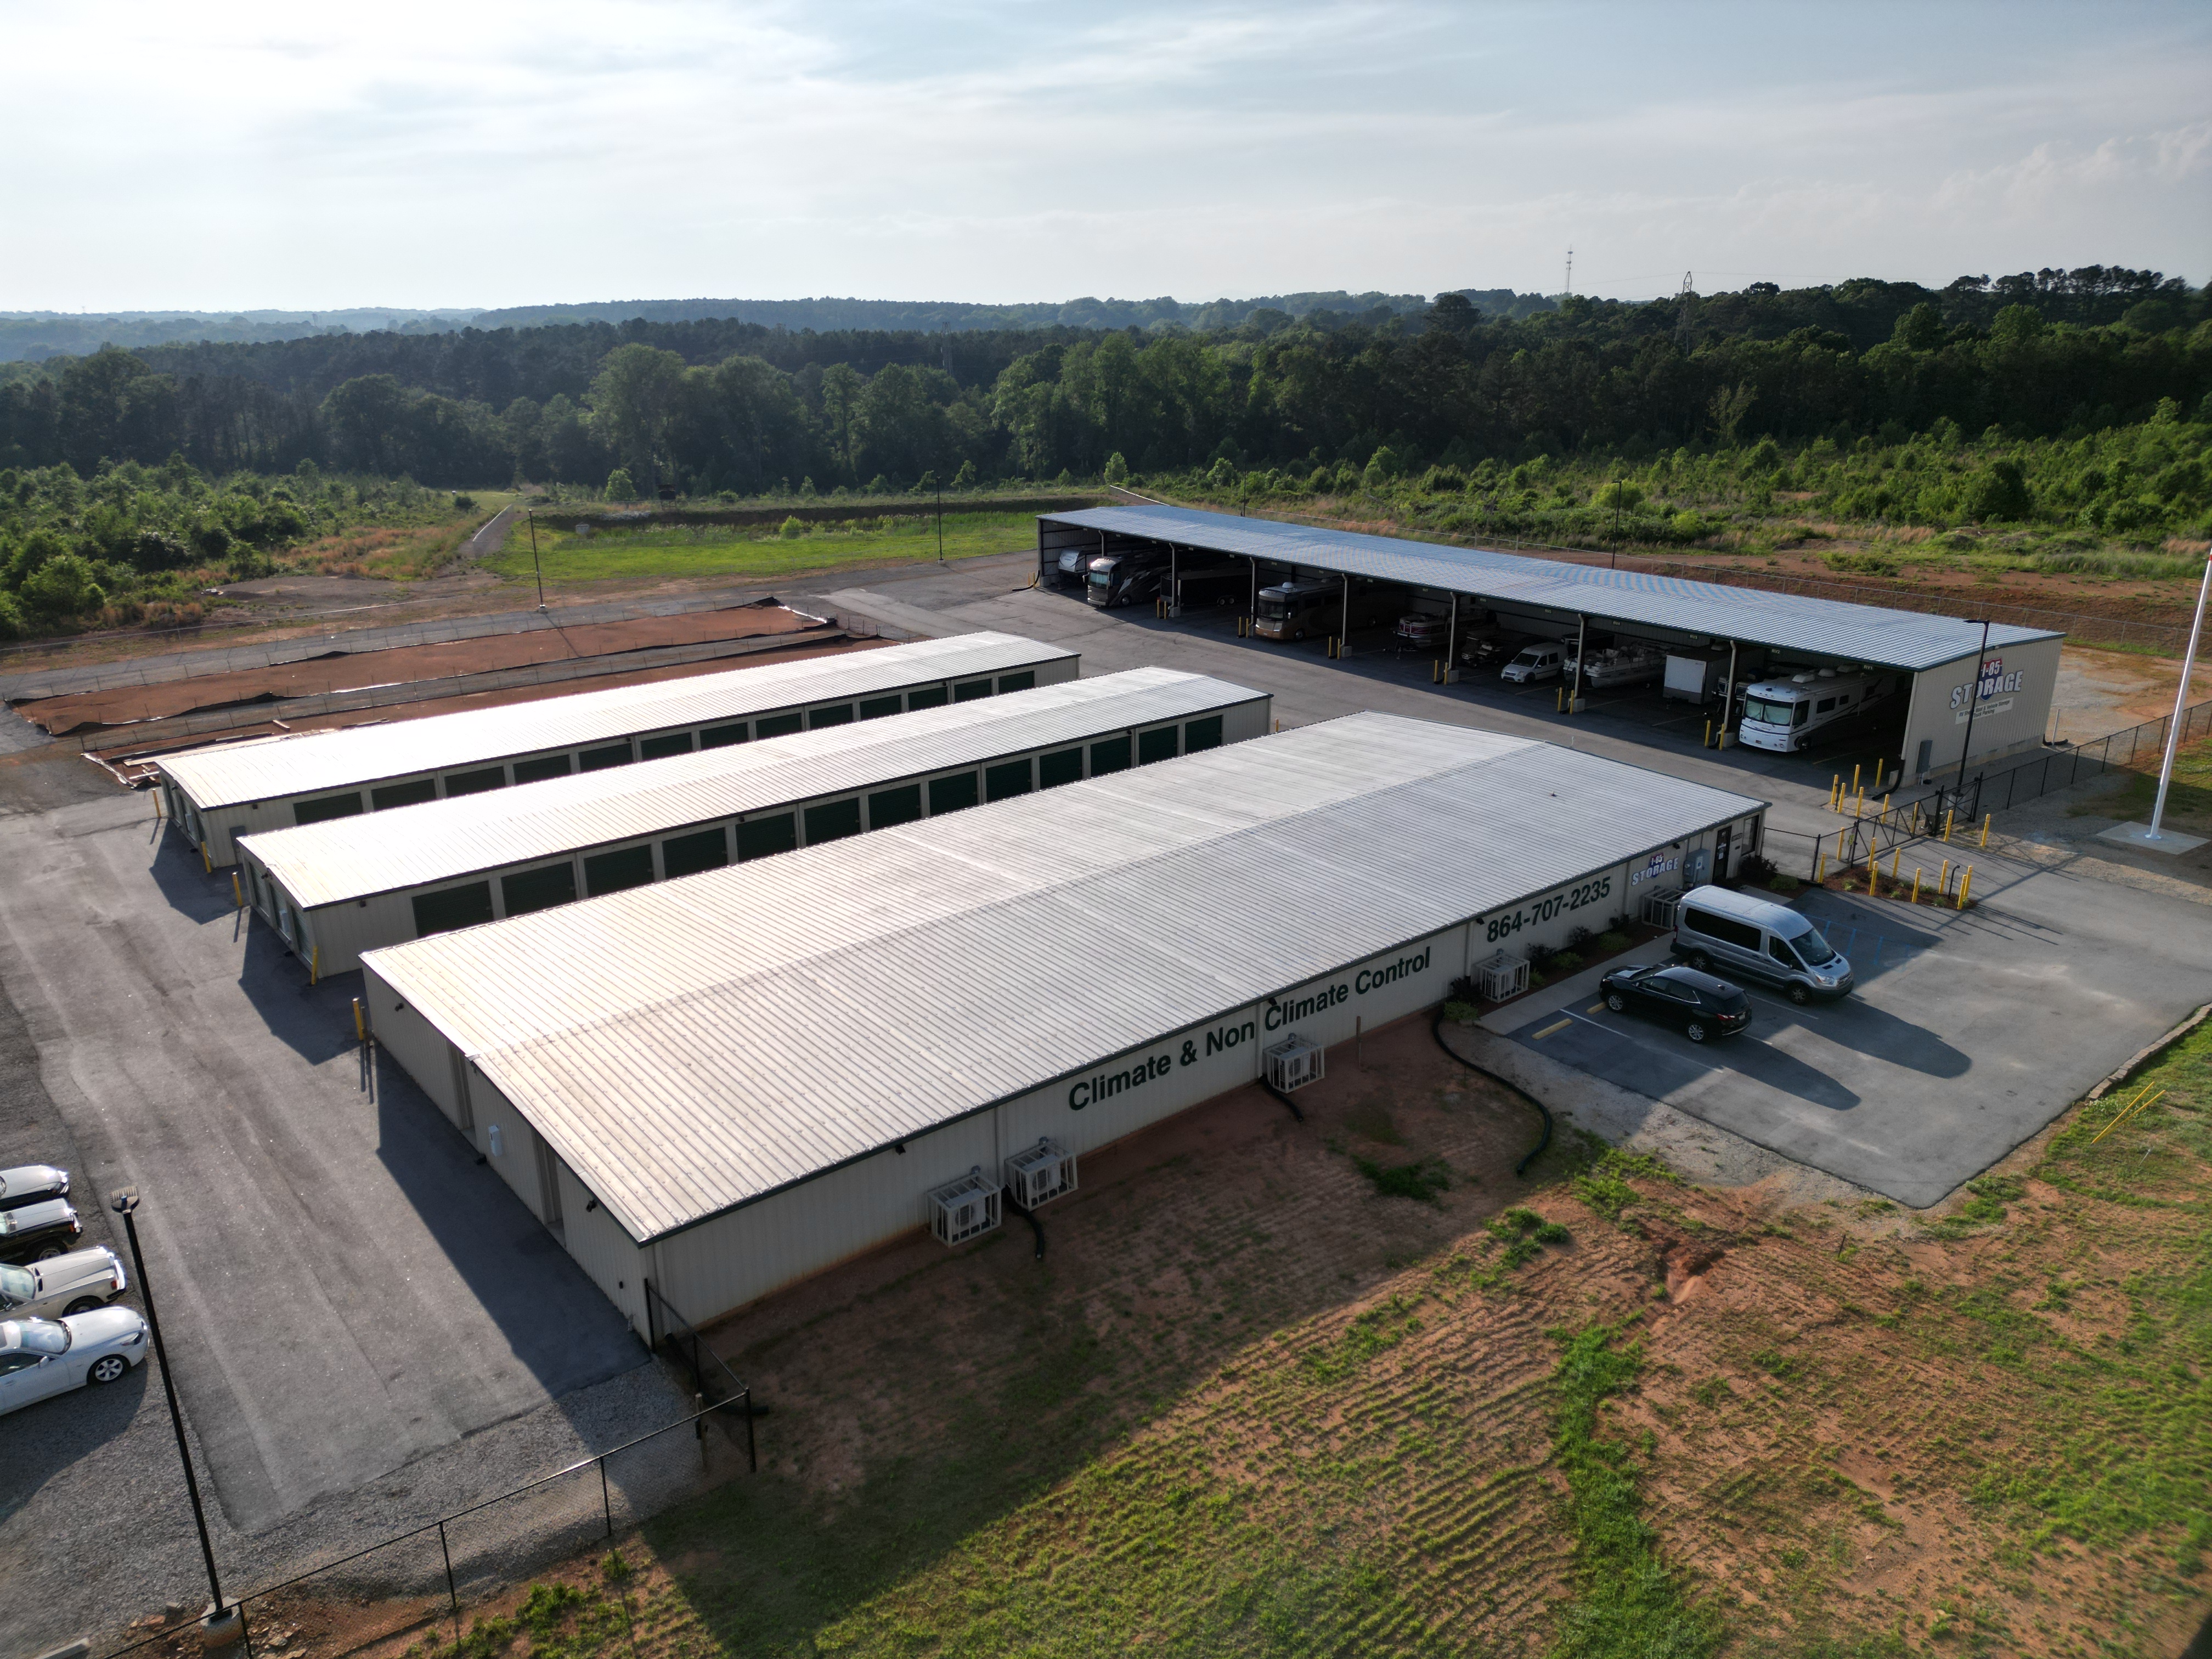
(2180, 708)
(123, 1201)
(530, 514)
(940, 520)
(1973, 701)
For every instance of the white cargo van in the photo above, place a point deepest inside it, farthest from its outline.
(1717, 932)
(1542, 661)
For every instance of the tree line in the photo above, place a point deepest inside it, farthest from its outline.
(709, 407)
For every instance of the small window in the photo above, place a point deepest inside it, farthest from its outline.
(928, 696)
(1111, 756)
(326, 807)
(1725, 928)
(474, 783)
(687, 855)
(760, 838)
(952, 795)
(832, 821)
(610, 873)
(721, 737)
(1156, 745)
(1011, 778)
(1823, 705)
(890, 807)
(598, 760)
(1780, 951)
(839, 715)
(1024, 681)
(1202, 734)
(874, 708)
(544, 767)
(668, 743)
(455, 907)
(538, 890)
(402, 794)
(972, 690)
(777, 725)
(1064, 767)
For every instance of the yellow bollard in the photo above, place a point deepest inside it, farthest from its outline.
(1708, 743)
(1835, 791)
(237, 898)
(360, 1027)
(1559, 700)
(315, 965)
(1947, 817)
(1895, 853)
(1858, 805)
(1986, 816)
(1885, 805)
(1915, 883)
(1854, 779)
(1943, 880)
(1874, 869)
(1820, 865)
(205, 859)
(1966, 882)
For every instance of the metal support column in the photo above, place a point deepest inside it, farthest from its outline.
(1451, 639)
(1344, 626)
(1728, 698)
(1174, 584)
(1581, 649)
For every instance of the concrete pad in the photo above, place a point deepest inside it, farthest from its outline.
(2138, 835)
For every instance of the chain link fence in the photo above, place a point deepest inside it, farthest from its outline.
(428, 1579)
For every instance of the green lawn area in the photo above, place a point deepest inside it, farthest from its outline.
(2188, 803)
(741, 552)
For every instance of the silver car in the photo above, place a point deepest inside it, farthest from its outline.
(43, 1357)
(30, 1182)
(73, 1284)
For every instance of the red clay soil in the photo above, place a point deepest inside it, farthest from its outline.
(129, 761)
(355, 671)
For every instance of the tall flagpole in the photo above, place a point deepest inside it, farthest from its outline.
(2180, 706)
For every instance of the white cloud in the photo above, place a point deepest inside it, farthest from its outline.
(248, 152)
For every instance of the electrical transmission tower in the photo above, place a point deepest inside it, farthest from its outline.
(1682, 323)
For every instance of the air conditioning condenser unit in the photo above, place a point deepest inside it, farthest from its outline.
(1294, 1064)
(964, 1209)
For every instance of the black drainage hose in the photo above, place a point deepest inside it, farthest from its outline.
(1437, 1031)
(1284, 1098)
(1036, 1226)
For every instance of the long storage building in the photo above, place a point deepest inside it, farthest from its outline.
(1933, 658)
(215, 795)
(725, 1084)
(334, 890)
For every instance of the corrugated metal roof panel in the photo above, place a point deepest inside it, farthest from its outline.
(316, 761)
(694, 1045)
(407, 847)
(1908, 640)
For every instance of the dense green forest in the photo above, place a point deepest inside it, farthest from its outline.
(2076, 402)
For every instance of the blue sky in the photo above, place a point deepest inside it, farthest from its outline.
(231, 155)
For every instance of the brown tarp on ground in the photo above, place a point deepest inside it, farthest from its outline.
(356, 671)
(130, 762)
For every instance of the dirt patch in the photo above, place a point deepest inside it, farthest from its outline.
(2105, 692)
(339, 670)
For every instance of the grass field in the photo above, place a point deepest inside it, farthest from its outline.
(745, 553)
(1250, 1405)
(2188, 803)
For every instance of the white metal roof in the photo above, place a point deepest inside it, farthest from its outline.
(350, 858)
(692, 1046)
(313, 761)
(1908, 640)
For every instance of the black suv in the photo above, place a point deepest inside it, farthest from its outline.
(1702, 1006)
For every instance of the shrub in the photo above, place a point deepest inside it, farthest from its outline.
(1610, 941)
(11, 617)
(621, 487)
(63, 588)
(1117, 469)
(790, 529)
(1686, 526)
(1461, 1013)
(1565, 962)
(1619, 495)
(464, 503)
(1781, 884)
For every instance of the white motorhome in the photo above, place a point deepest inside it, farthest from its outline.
(1788, 714)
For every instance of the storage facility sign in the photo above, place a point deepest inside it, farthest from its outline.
(1977, 698)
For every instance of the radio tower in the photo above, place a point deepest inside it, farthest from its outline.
(1682, 323)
